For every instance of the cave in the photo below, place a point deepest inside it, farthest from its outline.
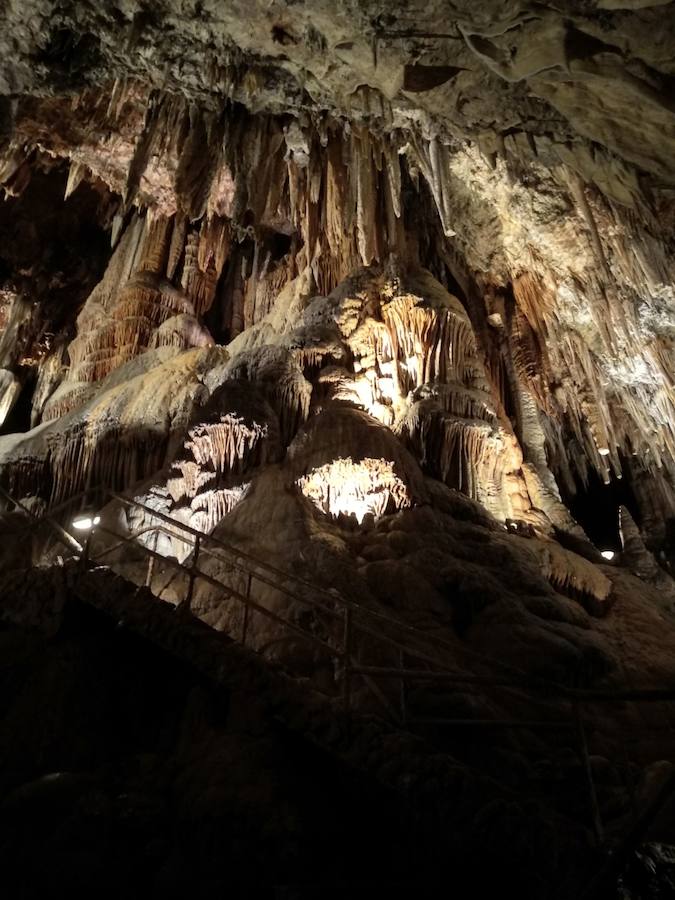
(337, 449)
(596, 507)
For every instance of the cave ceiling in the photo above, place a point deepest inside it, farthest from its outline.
(456, 220)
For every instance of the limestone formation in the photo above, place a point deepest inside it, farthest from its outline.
(382, 295)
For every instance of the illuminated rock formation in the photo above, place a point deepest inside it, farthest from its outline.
(350, 257)
(380, 295)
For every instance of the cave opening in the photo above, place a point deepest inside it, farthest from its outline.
(70, 55)
(55, 250)
(19, 417)
(596, 508)
(225, 317)
(279, 245)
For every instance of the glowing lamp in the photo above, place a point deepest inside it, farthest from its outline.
(607, 554)
(86, 522)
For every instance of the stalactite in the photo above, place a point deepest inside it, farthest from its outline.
(440, 343)
(77, 174)
(15, 171)
(393, 169)
(230, 207)
(177, 245)
(280, 378)
(210, 507)
(86, 456)
(336, 189)
(50, 374)
(355, 488)
(432, 159)
(136, 307)
(219, 452)
(121, 435)
(606, 416)
(225, 444)
(362, 171)
(144, 146)
(467, 454)
(198, 163)
(528, 357)
(187, 480)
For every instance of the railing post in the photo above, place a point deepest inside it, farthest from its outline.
(595, 809)
(84, 555)
(244, 627)
(187, 603)
(403, 691)
(346, 660)
(151, 563)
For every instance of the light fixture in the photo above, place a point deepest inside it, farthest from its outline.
(607, 554)
(86, 522)
(603, 451)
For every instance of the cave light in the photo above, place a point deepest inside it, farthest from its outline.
(86, 522)
(607, 554)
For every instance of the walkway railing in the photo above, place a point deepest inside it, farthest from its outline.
(418, 656)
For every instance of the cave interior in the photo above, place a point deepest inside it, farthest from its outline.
(337, 448)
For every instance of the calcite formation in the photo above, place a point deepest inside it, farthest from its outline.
(352, 259)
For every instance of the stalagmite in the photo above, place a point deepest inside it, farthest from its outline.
(641, 561)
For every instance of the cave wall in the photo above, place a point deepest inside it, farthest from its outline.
(244, 164)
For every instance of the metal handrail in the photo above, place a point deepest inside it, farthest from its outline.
(233, 592)
(425, 636)
(411, 630)
(527, 682)
(64, 536)
(254, 568)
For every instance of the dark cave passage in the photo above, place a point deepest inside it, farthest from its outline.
(596, 508)
(19, 416)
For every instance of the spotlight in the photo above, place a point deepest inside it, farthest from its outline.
(85, 522)
(607, 554)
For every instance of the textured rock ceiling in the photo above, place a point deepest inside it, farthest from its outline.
(570, 72)
(246, 158)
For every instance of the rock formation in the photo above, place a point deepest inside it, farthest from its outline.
(383, 295)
